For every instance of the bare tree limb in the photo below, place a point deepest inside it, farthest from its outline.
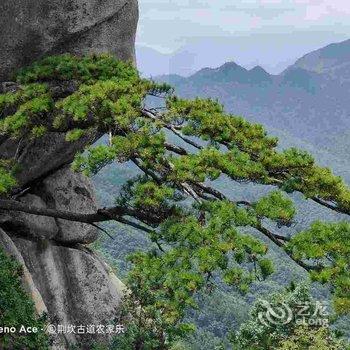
(101, 215)
(176, 149)
(330, 206)
(135, 225)
(102, 229)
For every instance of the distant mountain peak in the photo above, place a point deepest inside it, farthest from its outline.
(231, 67)
(230, 64)
(231, 72)
(258, 69)
(327, 59)
(228, 72)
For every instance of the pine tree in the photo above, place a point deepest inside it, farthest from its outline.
(198, 231)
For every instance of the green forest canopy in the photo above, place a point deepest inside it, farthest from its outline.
(198, 232)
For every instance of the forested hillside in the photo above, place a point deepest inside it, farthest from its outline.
(304, 109)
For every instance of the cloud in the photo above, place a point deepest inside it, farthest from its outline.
(261, 11)
(327, 10)
(170, 6)
(168, 25)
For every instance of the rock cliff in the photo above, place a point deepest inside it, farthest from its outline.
(63, 276)
(33, 28)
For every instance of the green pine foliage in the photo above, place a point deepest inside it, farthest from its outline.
(328, 242)
(198, 233)
(74, 135)
(309, 338)
(276, 206)
(7, 180)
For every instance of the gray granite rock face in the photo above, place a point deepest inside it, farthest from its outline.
(39, 157)
(10, 248)
(78, 289)
(61, 275)
(40, 227)
(73, 285)
(30, 29)
(70, 191)
(63, 190)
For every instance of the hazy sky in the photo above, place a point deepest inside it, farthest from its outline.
(294, 26)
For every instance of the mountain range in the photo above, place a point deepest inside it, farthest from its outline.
(309, 101)
(189, 59)
(273, 51)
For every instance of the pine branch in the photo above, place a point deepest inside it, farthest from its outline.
(181, 151)
(103, 230)
(146, 171)
(155, 116)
